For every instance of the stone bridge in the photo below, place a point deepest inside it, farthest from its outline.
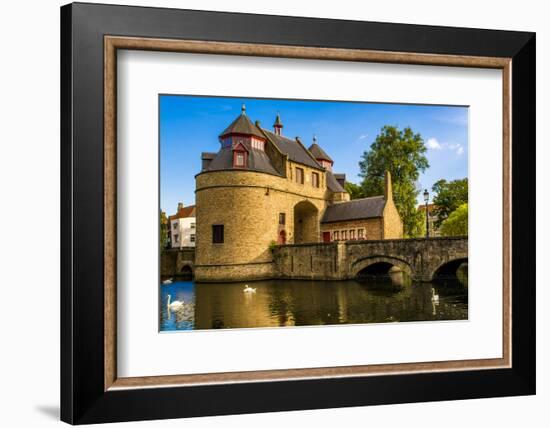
(177, 262)
(423, 259)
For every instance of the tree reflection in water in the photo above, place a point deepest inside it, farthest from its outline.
(277, 303)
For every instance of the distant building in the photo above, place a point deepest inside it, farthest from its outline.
(432, 218)
(263, 188)
(183, 227)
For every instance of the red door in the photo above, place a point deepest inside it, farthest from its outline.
(326, 236)
(282, 238)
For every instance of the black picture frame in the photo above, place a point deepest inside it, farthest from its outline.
(83, 399)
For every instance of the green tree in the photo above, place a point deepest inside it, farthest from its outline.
(401, 152)
(457, 222)
(449, 195)
(163, 230)
(355, 190)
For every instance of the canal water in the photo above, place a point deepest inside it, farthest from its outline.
(277, 303)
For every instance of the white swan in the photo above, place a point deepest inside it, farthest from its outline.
(176, 304)
(167, 281)
(248, 289)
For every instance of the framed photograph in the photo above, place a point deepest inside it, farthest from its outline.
(266, 213)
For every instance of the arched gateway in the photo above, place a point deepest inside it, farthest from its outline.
(306, 223)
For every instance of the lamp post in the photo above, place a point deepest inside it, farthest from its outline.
(426, 199)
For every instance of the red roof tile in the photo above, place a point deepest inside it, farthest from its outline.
(184, 213)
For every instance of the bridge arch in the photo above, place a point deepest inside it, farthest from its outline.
(384, 262)
(447, 268)
(187, 270)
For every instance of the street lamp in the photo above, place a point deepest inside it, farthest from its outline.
(426, 199)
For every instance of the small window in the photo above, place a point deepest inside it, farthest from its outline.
(336, 236)
(176, 238)
(192, 225)
(175, 225)
(361, 234)
(239, 159)
(352, 234)
(299, 175)
(282, 218)
(192, 237)
(217, 233)
(344, 235)
(257, 144)
(314, 179)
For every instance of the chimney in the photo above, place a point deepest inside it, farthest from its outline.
(388, 191)
(180, 206)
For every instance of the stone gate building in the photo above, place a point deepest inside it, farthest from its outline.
(261, 189)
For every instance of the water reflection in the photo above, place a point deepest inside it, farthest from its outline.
(390, 298)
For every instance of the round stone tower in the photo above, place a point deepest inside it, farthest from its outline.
(258, 190)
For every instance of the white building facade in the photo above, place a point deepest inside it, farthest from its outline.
(183, 227)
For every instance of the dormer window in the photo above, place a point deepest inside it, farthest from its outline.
(240, 156)
(239, 159)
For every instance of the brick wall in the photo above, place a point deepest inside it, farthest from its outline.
(372, 228)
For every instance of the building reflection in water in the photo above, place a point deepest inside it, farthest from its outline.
(277, 303)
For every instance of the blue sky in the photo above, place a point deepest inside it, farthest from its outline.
(190, 125)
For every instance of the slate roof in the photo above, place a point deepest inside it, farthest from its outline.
(296, 152)
(319, 153)
(242, 125)
(333, 184)
(355, 209)
(257, 161)
(184, 213)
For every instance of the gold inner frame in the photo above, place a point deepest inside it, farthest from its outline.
(113, 43)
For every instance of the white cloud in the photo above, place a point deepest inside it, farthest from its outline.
(363, 136)
(433, 144)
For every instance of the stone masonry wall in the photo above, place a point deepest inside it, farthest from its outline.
(309, 261)
(326, 261)
(344, 260)
(248, 204)
(172, 261)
